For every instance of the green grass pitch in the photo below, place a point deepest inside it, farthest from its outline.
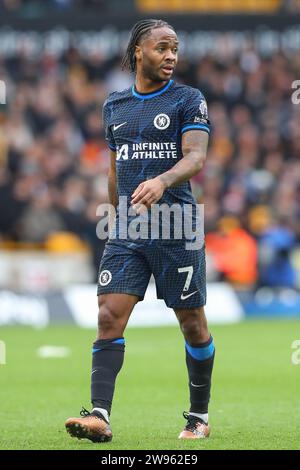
(255, 396)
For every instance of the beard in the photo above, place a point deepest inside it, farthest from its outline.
(150, 72)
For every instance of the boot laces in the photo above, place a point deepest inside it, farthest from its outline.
(192, 421)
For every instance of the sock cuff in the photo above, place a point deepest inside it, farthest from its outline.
(202, 351)
(117, 344)
(105, 413)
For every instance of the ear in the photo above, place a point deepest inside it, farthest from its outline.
(138, 53)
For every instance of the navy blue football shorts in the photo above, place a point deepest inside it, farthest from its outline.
(179, 274)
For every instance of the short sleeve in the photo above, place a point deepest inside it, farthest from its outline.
(195, 114)
(106, 115)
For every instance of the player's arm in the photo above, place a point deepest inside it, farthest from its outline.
(194, 148)
(112, 180)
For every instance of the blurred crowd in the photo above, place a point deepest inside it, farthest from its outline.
(39, 7)
(54, 158)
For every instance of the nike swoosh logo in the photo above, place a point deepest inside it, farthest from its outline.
(119, 125)
(183, 297)
(198, 386)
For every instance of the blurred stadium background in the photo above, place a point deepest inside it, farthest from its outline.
(59, 59)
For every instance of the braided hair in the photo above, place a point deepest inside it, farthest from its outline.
(140, 30)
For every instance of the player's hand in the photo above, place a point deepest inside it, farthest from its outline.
(147, 193)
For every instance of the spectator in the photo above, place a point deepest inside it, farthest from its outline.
(234, 253)
(275, 243)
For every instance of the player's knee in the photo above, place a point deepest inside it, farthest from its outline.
(190, 328)
(106, 319)
(194, 328)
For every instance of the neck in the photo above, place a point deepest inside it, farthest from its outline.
(146, 85)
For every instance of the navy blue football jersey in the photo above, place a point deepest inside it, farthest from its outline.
(145, 131)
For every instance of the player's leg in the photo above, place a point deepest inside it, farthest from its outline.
(107, 361)
(200, 352)
(180, 281)
(108, 349)
(123, 279)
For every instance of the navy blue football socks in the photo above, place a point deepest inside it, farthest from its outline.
(199, 361)
(108, 357)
